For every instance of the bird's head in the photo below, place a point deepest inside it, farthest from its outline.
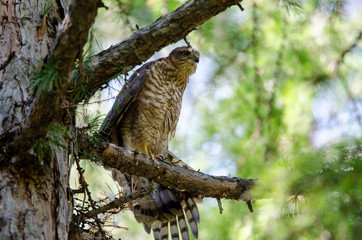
(185, 59)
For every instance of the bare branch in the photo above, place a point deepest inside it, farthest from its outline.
(241, 7)
(70, 40)
(88, 193)
(195, 182)
(146, 41)
(118, 203)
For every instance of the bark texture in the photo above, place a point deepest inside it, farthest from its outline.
(24, 43)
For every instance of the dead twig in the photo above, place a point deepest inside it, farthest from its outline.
(88, 193)
(117, 203)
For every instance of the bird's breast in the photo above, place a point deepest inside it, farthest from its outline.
(156, 113)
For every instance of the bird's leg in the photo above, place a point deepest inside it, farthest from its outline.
(147, 153)
(145, 149)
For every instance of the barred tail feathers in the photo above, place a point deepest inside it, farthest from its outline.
(174, 230)
(183, 227)
(191, 219)
(156, 229)
(164, 231)
(164, 211)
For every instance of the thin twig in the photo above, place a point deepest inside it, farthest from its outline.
(118, 203)
(85, 187)
(241, 7)
(77, 191)
(187, 42)
(220, 205)
(250, 206)
(85, 103)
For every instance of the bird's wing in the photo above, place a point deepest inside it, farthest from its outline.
(123, 100)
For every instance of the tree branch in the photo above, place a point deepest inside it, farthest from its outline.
(118, 203)
(141, 45)
(195, 182)
(70, 39)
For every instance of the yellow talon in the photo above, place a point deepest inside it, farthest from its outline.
(176, 162)
(148, 154)
(145, 148)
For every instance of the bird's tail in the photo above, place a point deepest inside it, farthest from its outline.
(164, 211)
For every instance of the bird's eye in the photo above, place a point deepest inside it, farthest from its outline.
(186, 53)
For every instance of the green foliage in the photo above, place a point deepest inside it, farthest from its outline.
(90, 124)
(80, 92)
(48, 7)
(42, 149)
(46, 79)
(91, 165)
(86, 121)
(55, 139)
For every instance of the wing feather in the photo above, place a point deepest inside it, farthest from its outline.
(124, 99)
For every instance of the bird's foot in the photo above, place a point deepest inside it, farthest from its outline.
(159, 156)
(153, 157)
(175, 162)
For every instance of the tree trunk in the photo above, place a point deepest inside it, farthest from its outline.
(34, 201)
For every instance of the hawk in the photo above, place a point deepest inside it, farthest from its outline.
(144, 117)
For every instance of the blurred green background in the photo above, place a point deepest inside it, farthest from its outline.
(276, 97)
